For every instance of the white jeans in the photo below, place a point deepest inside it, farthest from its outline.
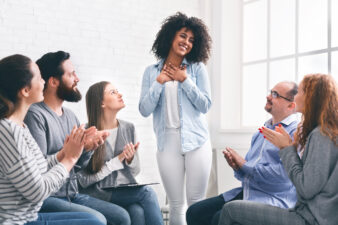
(174, 165)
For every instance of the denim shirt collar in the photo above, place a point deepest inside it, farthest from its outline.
(160, 63)
(286, 121)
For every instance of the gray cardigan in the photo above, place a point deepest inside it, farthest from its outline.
(315, 177)
(90, 183)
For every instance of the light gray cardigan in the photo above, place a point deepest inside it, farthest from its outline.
(92, 185)
(315, 177)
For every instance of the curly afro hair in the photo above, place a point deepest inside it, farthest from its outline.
(164, 38)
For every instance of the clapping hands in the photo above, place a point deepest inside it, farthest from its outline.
(234, 160)
(278, 137)
(128, 153)
(72, 148)
(94, 138)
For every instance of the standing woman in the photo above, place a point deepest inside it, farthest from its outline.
(26, 177)
(176, 91)
(313, 169)
(116, 162)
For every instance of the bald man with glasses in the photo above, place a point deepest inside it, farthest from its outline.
(261, 172)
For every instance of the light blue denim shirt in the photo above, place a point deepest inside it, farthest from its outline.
(263, 176)
(193, 102)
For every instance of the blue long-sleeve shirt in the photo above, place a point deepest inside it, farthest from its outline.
(263, 176)
(193, 102)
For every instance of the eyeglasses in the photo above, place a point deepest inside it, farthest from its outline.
(275, 94)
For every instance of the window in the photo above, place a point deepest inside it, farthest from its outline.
(284, 40)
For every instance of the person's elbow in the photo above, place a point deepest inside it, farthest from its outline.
(206, 106)
(39, 195)
(145, 112)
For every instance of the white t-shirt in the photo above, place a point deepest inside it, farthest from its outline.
(173, 116)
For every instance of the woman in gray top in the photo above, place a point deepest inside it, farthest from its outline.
(310, 161)
(26, 177)
(116, 163)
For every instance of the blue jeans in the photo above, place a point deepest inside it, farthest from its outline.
(139, 197)
(112, 214)
(65, 218)
(136, 214)
(207, 212)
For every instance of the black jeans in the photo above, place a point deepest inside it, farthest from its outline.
(207, 212)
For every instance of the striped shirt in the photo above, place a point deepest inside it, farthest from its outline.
(26, 177)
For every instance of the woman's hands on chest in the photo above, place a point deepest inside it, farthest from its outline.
(171, 72)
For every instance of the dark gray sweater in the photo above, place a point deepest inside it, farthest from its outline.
(315, 177)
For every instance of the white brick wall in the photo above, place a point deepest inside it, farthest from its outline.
(108, 40)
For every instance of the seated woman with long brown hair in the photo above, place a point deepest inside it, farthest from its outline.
(116, 162)
(310, 161)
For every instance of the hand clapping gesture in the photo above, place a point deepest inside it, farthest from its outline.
(128, 153)
(234, 160)
(279, 137)
(72, 148)
(94, 138)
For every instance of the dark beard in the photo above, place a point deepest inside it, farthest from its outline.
(68, 94)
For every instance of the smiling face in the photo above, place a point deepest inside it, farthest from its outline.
(183, 42)
(37, 84)
(112, 99)
(279, 106)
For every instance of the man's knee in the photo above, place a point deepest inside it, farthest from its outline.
(215, 218)
(192, 213)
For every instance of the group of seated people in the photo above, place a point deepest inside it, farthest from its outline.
(289, 174)
(51, 167)
(55, 171)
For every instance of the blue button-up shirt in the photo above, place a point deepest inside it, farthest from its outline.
(263, 176)
(193, 102)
